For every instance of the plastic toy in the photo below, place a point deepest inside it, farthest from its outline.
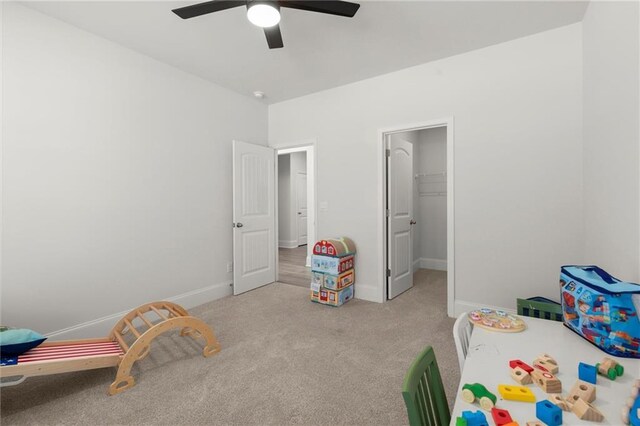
(516, 393)
(586, 411)
(501, 417)
(521, 376)
(582, 390)
(610, 368)
(631, 410)
(461, 421)
(587, 373)
(475, 418)
(494, 320)
(546, 381)
(517, 363)
(471, 392)
(549, 413)
(511, 424)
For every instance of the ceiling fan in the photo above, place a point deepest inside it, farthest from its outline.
(266, 13)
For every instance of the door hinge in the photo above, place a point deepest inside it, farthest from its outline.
(387, 212)
(388, 152)
(388, 272)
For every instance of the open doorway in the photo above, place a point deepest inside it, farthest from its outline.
(296, 221)
(418, 209)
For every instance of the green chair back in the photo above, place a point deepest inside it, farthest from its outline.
(423, 392)
(539, 309)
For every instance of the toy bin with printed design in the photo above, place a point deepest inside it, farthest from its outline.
(335, 247)
(331, 265)
(332, 297)
(317, 278)
(338, 282)
(602, 309)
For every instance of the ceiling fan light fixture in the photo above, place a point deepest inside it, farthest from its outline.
(263, 14)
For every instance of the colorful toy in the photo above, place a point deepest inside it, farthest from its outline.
(332, 297)
(546, 381)
(496, 321)
(501, 417)
(631, 410)
(610, 368)
(557, 399)
(335, 247)
(517, 363)
(331, 265)
(601, 309)
(471, 392)
(516, 393)
(549, 413)
(475, 418)
(521, 376)
(582, 390)
(587, 373)
(113, 350)
(511, 424)
(585, 411)
(338, 282)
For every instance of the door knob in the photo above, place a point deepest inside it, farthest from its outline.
(239, 225)
(412, 222)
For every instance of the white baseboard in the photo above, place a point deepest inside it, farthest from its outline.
(461, 306)
(427, 263)
(288, 244)
(101, 326)
(366, 292)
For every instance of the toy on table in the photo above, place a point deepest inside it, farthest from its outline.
(501, 417)
(557, 399)
(549, 413)
(582, 390)
(521, 376)
(610, 368)
(516, 393)
(587, 373)
(496, 320)
(547, 362)
(546, 381)
(473, 391)
(472, 418)
(585, 411)
(535, 423)
(631, 410)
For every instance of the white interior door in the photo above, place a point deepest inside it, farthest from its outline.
(254, 224)
(400, 216)
(301, 207)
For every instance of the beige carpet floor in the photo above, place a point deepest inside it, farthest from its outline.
(284, 360)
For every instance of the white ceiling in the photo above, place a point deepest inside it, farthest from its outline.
(320, 51)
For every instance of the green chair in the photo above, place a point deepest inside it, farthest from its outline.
(540, 307)
(423, 392)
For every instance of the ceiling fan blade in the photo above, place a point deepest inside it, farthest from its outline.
(340, 8)
(207, 7)
(274, 37)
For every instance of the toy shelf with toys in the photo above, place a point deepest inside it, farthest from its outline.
(332, 271)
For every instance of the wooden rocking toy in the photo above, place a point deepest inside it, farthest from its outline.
(113, 350)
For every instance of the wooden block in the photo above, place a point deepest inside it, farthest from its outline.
(549, 366)
(582, 390)
(557, 399)
(521, 376)
(535, 423)
(516, 393)
(517, 363)
(501, 417)
(605, 365)
(546, 381)
(548, 358)
(586, 411)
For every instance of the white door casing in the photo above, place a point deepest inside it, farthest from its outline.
(400, 206)
(254, 226)
(301, 207)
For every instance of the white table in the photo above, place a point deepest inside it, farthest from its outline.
(488, 363)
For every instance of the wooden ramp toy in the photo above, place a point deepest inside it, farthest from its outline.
(113, 350)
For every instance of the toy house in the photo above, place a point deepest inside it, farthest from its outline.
(333, 274)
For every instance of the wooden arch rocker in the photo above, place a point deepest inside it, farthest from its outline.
(113, 350)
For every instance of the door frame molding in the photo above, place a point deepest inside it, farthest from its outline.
(447, 122)
(308, 145)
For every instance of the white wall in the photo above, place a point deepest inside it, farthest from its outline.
(117, 178)
(431, 210)
(517, 109)
(285, 230)
(611, 138)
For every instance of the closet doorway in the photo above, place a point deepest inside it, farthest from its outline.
(418, 208)
(295, 214)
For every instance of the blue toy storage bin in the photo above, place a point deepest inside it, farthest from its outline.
(602, 309)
